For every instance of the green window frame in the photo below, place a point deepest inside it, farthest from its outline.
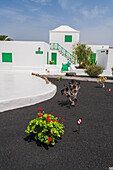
(68, 38)
(39, 52)
(7, 57)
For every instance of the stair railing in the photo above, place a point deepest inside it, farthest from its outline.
(60, 49)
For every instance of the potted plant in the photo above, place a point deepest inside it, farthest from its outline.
(51, 62)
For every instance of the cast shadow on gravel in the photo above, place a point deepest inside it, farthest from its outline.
(64, 103)
(31, 138)
(98, 87)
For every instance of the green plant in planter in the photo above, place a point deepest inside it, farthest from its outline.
(93, 70)
(59, 78)
(46, 127)
(51, 62)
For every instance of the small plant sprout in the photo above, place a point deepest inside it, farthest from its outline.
(59, 78)
(101, 80)
(46, 127)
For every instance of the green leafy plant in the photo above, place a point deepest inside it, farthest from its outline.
(94, 70)
(46, 127)
(101, 80)
(5, 38)
(112, 70)
(82, 54)
(59, 78)
(51, 62)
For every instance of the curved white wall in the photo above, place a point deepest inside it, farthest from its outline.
(20, 89)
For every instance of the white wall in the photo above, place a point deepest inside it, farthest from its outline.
(105, 60)
(59, 37)
(3, 47)
(110, 60)
(102, 58)
(97, 47)
(23, 54)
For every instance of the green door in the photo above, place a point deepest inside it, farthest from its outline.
(54, 58)
(94, 58)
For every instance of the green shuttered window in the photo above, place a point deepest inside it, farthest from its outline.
(68, 38)
(6, 57)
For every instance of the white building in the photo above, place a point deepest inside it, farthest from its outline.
(29, 55)
(23, 55)
(65, 36)
(61, 40)
(105, 59)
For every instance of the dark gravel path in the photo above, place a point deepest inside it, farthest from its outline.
(92, 149)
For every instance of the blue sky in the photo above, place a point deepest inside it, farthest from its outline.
(32, 19)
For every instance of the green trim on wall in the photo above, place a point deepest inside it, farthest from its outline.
(102, 51)
(47, 57)
(7, 57)
(39, 52)
(68, 38)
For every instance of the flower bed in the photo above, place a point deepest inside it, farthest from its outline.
(46, 127)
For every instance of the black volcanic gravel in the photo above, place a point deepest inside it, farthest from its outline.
(91, 149)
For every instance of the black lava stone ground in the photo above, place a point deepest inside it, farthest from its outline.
(91, 149)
